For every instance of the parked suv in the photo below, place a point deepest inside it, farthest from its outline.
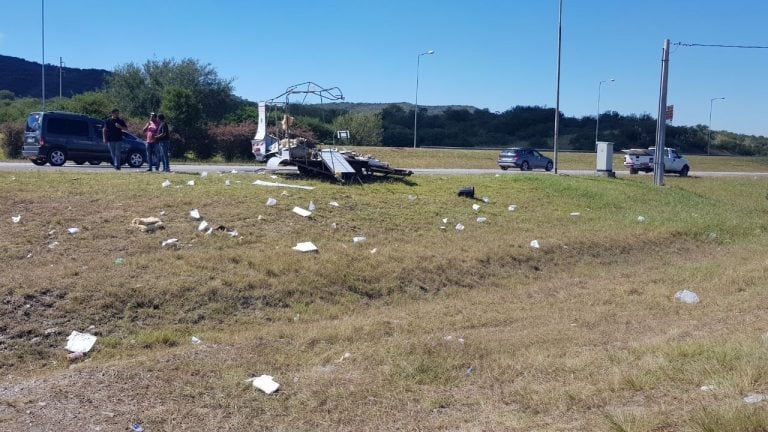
(524, 158)
(56, 137)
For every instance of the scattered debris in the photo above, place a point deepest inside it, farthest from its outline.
(459, 227)
(53, 245)
(16, 219)
(147, 224)
(512, 207)
(234, 171)
(486, 200)
(301, 212)
(80, 342)
(265, 183)
(305, 247)
(575, 214)
(75, 356)
(311, 206)
(686, 296)
(333, 204)
(641, 218)
(162, 213)
(467, 191)
(73, 231)
(284, 193)
(476, 207)
(203, 225)
(271, 202)
(195, 340)
(191, 183)
(755, 398)
(170, 242)
(412, 197)
(345, 356)
(166, 183)
(194, 214)
(204, 174)
(707, 388)
(373, 251)
(481, 219)
(535, 244)
(265, 383)
(137, 428)
(358, 239)
(119, 261)
(445, 220)
(226, 183)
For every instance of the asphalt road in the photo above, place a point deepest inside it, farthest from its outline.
(23, 166)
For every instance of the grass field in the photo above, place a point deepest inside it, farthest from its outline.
(419, 327)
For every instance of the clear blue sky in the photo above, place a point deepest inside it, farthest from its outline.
(493, 54)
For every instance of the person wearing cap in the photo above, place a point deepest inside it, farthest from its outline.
(112, 134)
(151, 130)
(164, 142)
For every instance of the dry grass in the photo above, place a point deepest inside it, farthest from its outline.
(445, 329)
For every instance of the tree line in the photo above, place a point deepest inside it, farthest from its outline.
(209, 121)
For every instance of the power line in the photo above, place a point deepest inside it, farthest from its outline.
(720, 46)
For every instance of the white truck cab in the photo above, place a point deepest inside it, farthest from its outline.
(642, 160)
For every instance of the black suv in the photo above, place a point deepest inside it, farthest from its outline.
(56, 137)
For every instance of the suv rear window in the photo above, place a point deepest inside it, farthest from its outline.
(33, 122)
(60, 126)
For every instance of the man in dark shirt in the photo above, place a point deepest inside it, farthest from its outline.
(113, 136)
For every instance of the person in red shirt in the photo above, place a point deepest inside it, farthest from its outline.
(151, 130)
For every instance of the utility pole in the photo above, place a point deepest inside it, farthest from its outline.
(661, 121)
(557, 102)
(61, 63)
(42, 19)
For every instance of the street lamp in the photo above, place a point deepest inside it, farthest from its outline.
(597, 123)
(416, 112)
(709, 143)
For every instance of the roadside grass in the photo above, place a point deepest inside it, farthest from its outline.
(416, 328)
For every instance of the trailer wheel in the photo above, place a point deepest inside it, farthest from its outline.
(633, 170)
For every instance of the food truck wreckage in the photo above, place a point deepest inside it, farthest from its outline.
(340, 165)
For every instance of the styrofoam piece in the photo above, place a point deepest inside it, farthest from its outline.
(486, 200)
(265, 383)
(445, 220)
(80, 342)
(641, 218)
(312, 206)
(476, 207)
(412, 197)
(535, 244)
(481, 219)
(575, 214)
(191, 183)
(305, 247)
(755, 398)
(226, 183)
(302, 212)
(203, 225)
(166, 183)
(333, 203)
(16, 219)
(204, 174)
(195, 340)
(512, 207)
(73, 231)
(459, 227)
(271, 202)
(359, 239)
(170, 242)
(194, 214)
(686, 296)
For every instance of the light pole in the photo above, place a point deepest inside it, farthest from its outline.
(416, 112)
(709, 143)
(597, 123)
(42, 34)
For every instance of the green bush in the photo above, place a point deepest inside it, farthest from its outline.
(11, 139)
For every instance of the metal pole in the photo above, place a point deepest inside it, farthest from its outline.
(661, 122)
(416, 111)
(61, 63)
(709, 143)
(557, 102)
(597, 123)
(42, 15)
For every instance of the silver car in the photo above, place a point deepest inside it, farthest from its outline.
(525, 159)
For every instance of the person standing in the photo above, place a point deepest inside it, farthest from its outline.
(151, 130)
(112, 135)
(164, 142)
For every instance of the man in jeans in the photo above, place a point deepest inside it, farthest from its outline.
(164, 140)
(113, 137)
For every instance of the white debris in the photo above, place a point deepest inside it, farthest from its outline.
(271, 202)
(412, 197)
(575, 214)
(273, 176)
(333, 203)
(73, 231)
(445, 220)
(162, 213)
(195, 340)
(170, 242)
(166, 183)
(191, 183)
(302, 212)
(226, 183)
(284, 193)
(486, 200)
(204, 174)
(80, 342)
(345, 356)
(535, 244)
(265, 183)
(194, 214)
(373, 251)
(707, 388)
(686, 296)
(234, 171)
(311, 206)
(481, 219)
(265, 383)
(755, 398)
(512, 207)
(358, 239)
(459, 227)
(476, 207)
(16, 219)
(305, 247)
(641, 218)
(233, 233)
(203, 225)
(53, 245)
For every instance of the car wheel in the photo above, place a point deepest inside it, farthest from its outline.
(525, 166)
(94, 162)
(135, 159)
(633, 171)
(549, 166)
(504, 168)
(684, 171)
(79, 161)
(38, 162)
(57, 157)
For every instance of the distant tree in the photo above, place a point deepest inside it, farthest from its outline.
(185, 114)
(365, 128)
(7, 95)
(95, 104)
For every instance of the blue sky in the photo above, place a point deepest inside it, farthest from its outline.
(493, 54)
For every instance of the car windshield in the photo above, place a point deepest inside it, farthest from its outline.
(33, 122)
(509, 152)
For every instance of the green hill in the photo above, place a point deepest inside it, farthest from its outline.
(24, 79)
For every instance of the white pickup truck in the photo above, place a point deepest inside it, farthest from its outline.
(642, 160)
